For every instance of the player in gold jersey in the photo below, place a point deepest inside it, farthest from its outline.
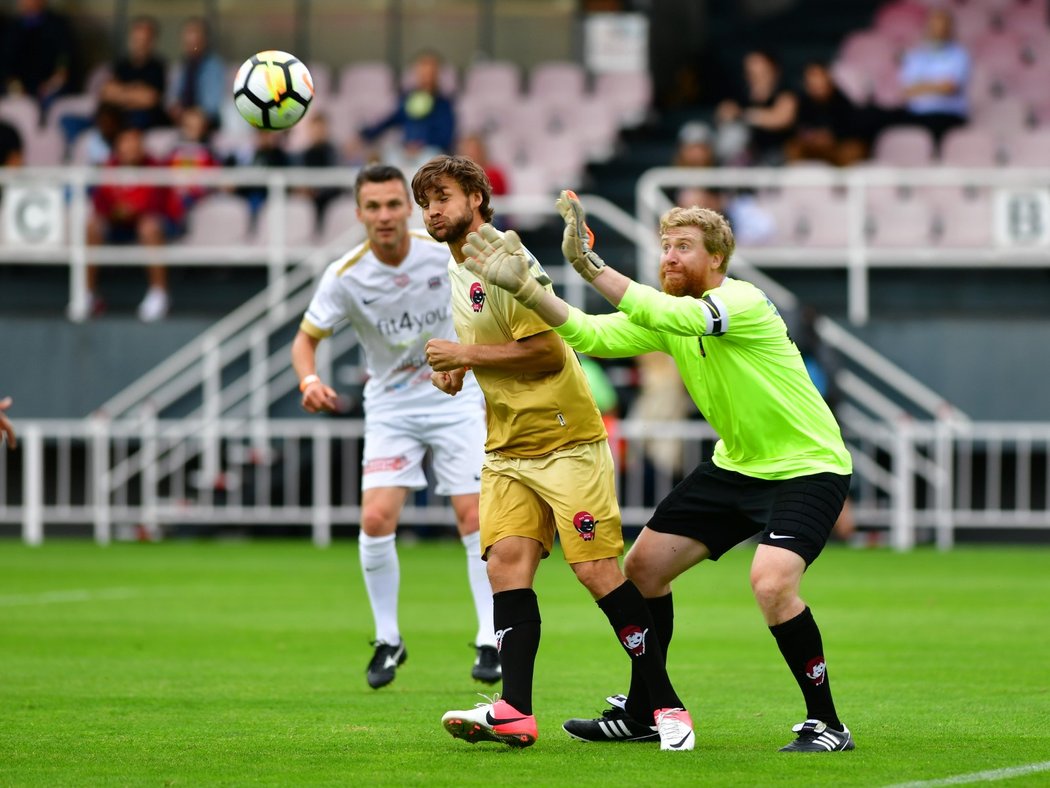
(547, 469)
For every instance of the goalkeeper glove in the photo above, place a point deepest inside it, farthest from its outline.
(578, 238)
(499, 259)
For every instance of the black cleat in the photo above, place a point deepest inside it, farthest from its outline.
(384, 664)
(486, 665)
(615, 724)
(815, 736)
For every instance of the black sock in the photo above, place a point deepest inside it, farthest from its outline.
(638, 705)
(516, 619)
(800, 643)
(634, 626)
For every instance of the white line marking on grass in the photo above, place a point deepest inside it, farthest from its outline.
(980, 777)
(72, 595)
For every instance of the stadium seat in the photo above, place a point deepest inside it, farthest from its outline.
(904, 146)
(448, 79)
(557, 79)
(901, 223)
(1002, 116)
(339, 218)
(560, 156)
(869, 51)
(1025, 16)
(366, 78)
(970, 147)
(492, 78)
(971, 21)
(964, 222)
(45, 148)
(99, 76)
(629, 92)
(21, 112)
(824, 224)
(324, 81)
(218, 220)
(597, 124)
(853, 81)
(902, 21)
(785, 213)
(300, 222)
(76, 104)
(1029, 148)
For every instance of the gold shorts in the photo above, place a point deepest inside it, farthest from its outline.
(571, 491)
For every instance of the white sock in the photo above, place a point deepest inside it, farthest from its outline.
(382, 573)
(480, 588)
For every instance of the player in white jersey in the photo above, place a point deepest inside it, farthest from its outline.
(393, 290)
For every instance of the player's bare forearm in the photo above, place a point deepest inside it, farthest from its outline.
(611, 284)
(317, 396)
(538, 354)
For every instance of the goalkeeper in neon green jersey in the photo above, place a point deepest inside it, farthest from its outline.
(780, 470)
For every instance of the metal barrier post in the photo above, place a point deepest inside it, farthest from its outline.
(321, 503)
(100, 488)
(33, 486)
(902, 524)
(943, 494)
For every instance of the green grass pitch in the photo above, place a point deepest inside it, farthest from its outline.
(220, 663)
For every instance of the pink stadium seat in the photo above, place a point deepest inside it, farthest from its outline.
(852, 81)
(366, 78)
(999, 52)
(339, 219)
(300, 222)
(506, 148)
(1030, 82)
(560, 156)
(1029, 149)
(869, 51)
(493, 78)
(21, 112)
(784, 212)
(965, 222)
(901, 21)
(597, 124)
(901, 224)
(79, 104)
(969, 147)
(887, 91)
(972, 21)
(824, 224)
(557, 78)
(1024, 16)
(99, 76)
(45, 148)
(217, 220)
(324, 82)
(529, 180)
(631, 93)
(1005, 115)
(904, 146)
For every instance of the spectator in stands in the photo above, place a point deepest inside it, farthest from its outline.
(199, 78)
(12, 150)
(132, 213)
(269, 152)
(7, 430)
(935, 75)
(321, 152)
(138, 82)
(192, 150)
(424, 115)
(108, 123)
(753, 127)
(37, 53)
(829, 128)
(473, 147)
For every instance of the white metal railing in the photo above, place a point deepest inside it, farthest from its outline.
(1020, 215)
(911, 477)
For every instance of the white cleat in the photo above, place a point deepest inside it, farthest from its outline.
(676, 729)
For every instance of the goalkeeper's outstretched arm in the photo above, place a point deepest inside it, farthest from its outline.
(576, 244)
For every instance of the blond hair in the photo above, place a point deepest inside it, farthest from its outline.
(713, 227)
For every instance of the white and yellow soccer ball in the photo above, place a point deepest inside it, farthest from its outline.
(273, 90)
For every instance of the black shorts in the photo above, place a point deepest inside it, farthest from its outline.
(721, 509)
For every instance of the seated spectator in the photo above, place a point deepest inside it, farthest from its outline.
(424, 115)
(829, 128)
(137, 85)
(37, 53)
(321, 152)
(108, 123)
(12, 150)
(695, 146)
(192, 150)
(473, 147)
(753, 127)
(935, 75)
(199, 77)
(268, 152)
(127, 214)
